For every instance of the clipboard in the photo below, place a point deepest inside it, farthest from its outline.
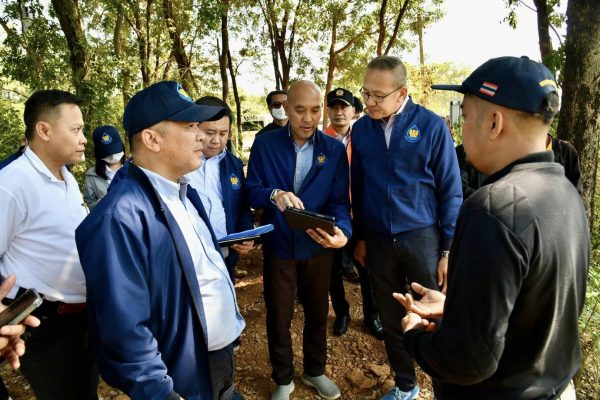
(251, 234)
(302, 220)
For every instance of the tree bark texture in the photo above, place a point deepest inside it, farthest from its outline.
(224, 50)
(543, 26)
(67, 12)
(580, 114)
(181, 58)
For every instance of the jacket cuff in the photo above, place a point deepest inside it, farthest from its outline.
(173, 396)
(446, 243)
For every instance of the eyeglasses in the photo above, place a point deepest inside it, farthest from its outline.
(276, 104)
(377, 99)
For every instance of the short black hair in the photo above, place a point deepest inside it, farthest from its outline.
(42, 102)
(390, 63)
(358, 105)
(273, 93)
(217, 102)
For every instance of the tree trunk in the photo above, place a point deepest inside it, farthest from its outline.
(394, 35)
(125, 74)
(331, 64)
(543, 26)
(580, 115)
(420, 34)
(238, 142)
(224, 51)
(181, 58)
(67, 12)
(141, 41)
(381, 37)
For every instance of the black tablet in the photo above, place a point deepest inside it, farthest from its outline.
(303, 220)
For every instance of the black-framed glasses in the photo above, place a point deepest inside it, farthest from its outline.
(377, 99)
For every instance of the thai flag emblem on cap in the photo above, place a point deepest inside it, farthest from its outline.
(488, 88)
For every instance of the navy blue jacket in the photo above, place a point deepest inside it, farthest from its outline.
(235, 199)
(325, 189)
(147, 319)
(413, 184)
(11, 158)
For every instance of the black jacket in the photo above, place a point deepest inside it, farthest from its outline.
(516, 288)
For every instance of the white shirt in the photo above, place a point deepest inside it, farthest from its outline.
(110, 174)
(39, 214)
(207, 181)
(389, 125)
(224, 322)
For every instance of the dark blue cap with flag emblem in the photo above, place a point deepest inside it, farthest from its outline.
(513, 82)
(164, 101)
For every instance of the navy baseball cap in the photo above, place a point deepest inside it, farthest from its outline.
(513, 82)
(164, 101)
(106, 141)
(340, 95)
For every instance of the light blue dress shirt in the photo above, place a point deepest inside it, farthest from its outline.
(304, 160)
(224, 322)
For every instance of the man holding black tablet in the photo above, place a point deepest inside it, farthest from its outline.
(299, 166)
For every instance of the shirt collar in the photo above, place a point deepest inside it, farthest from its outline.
(402, 106)
(39, 165)
(164, 186)
(311, 139)
(217, 158)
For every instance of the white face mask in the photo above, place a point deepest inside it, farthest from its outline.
(114, 158)
(278, 113)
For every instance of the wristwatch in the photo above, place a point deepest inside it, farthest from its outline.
(445, 253)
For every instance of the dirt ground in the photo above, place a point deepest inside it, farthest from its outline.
(356, 360)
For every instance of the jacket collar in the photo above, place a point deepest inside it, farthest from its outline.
(544, 156)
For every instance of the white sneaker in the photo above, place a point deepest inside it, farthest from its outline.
(282, 392)
(325, 387)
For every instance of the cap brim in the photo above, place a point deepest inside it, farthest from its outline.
(197, 113)
(332, 102)
(456, 88)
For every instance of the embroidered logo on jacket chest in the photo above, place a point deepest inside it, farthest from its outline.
(413, 134)
(235, 181)
(321, 159)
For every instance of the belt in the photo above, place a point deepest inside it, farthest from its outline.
(52, 308)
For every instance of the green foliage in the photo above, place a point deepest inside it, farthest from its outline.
(11, 126)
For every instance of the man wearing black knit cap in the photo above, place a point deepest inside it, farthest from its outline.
(519, 259)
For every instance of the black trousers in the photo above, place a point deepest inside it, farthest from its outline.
(58, 362)
(393, 264)
(341, 258)
(310, 280)
(222, 373)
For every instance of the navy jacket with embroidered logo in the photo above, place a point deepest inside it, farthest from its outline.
(235, 198)
(413, 184)
(325, 189)
(145, 305)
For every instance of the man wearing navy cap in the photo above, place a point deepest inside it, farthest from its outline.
(163, 309)
(519, 260)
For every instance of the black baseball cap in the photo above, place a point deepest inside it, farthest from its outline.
(340, 95)
(164, 101)
(513, 82)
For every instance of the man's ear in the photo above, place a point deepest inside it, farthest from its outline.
(42, 130)
(151, 139)
(497, 124)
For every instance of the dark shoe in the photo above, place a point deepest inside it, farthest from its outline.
(340, 325)
(375, 327)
